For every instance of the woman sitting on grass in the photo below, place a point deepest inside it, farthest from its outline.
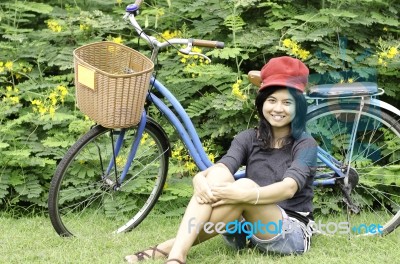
(280, 160)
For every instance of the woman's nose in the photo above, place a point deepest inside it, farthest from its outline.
(278, 107)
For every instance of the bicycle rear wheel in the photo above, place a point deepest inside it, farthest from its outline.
(84, 199)
(374, 160)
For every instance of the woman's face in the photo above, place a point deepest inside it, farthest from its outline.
(279, 109)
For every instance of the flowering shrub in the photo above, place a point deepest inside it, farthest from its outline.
(295, 49)
(388, 53)
(38, 116)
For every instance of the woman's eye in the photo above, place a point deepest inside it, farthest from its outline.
(270, 100)
(287, 103)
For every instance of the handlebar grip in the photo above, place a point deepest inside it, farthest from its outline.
(208, 43)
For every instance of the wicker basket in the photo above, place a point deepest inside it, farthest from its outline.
(111, 83)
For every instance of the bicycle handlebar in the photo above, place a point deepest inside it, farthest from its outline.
(131, 11)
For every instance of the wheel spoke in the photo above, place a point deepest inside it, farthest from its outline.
(80, 193)
(374, 161)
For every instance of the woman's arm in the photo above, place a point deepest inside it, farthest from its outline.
(235, 193)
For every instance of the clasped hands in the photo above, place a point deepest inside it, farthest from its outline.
(216, 194)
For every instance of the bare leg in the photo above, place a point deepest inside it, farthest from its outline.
(196, 213)
(199, 212)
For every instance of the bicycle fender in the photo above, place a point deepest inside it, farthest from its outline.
(374, 102)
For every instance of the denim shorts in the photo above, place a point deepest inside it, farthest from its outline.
(294, 238)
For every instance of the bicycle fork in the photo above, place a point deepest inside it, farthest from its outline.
(116, 147)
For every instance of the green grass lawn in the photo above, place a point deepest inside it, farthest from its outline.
(33, 240)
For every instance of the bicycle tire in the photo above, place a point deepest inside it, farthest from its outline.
(375, 164)
(82, 201)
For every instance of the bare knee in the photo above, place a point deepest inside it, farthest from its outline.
(246, 183)
(219, 174)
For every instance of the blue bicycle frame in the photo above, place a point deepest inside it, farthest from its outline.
(187, 132)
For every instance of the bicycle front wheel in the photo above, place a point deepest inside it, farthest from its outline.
(371, 160)
(85, 197)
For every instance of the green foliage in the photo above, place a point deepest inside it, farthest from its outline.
(338, 40)
(38, 118)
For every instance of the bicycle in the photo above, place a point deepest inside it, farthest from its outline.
(359, 140)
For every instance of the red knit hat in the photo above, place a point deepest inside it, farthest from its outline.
(284, 71)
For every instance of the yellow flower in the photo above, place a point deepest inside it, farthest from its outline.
(144, 138)
(236, 90)
(63, 92)
(295, 49)
(392, 52)
(171, 34)
(14, 99)
(196, 49)
(117, 40)
(84, 27)
(387, 53)
(211, 157)
(303, 54)
(9, 65)
(36, 102)
(120, 161)
(53, 98)
(119, 1)
(350, 80)
(190, 166)
(287, 43)
(54, 26)
(52, 111)
(42, 110)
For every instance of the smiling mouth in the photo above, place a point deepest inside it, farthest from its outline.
(278, 117)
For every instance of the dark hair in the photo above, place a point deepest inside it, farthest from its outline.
(298, 124)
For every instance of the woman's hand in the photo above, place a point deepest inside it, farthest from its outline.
(202, 191)
(227, 193)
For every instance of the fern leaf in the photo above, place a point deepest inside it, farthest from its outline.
(32, 6)
(234, 22)
(200, 106)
